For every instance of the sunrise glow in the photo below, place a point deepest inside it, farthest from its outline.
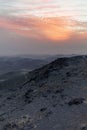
(44, 19)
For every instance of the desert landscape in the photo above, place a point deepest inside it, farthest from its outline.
(43, 65)
(52, 97)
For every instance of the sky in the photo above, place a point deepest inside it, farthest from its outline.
(43, 27)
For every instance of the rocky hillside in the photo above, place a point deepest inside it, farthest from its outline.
(53, 97)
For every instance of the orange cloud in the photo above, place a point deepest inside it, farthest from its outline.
(55, 28)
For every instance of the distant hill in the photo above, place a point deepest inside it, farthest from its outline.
(19, 63)
(25, 62)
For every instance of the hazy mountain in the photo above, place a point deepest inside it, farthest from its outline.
(24, 62)
(53, 97)
(19, 64)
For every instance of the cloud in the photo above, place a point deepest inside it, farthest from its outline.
(44, 19)
(52, 28)
(48, 28)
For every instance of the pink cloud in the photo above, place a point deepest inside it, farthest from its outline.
(52, 28)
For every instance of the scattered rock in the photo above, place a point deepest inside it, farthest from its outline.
(84, 127)
(2, 119)
(68, 74)
(59, 91)
(28, 97)
(9, 98)
(54, 105)
(49, 91)
(43, 109)
(11, 126)
(24, 123)
(53, 97)
(48, 113)
(76, 101)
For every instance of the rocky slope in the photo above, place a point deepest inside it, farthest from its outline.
(53, 97)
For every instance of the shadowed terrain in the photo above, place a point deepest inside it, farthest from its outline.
(53, 97)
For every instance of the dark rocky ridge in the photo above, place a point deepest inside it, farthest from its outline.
(53, 97)
(44, 72)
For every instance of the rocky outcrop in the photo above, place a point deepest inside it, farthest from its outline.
(53, 97)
